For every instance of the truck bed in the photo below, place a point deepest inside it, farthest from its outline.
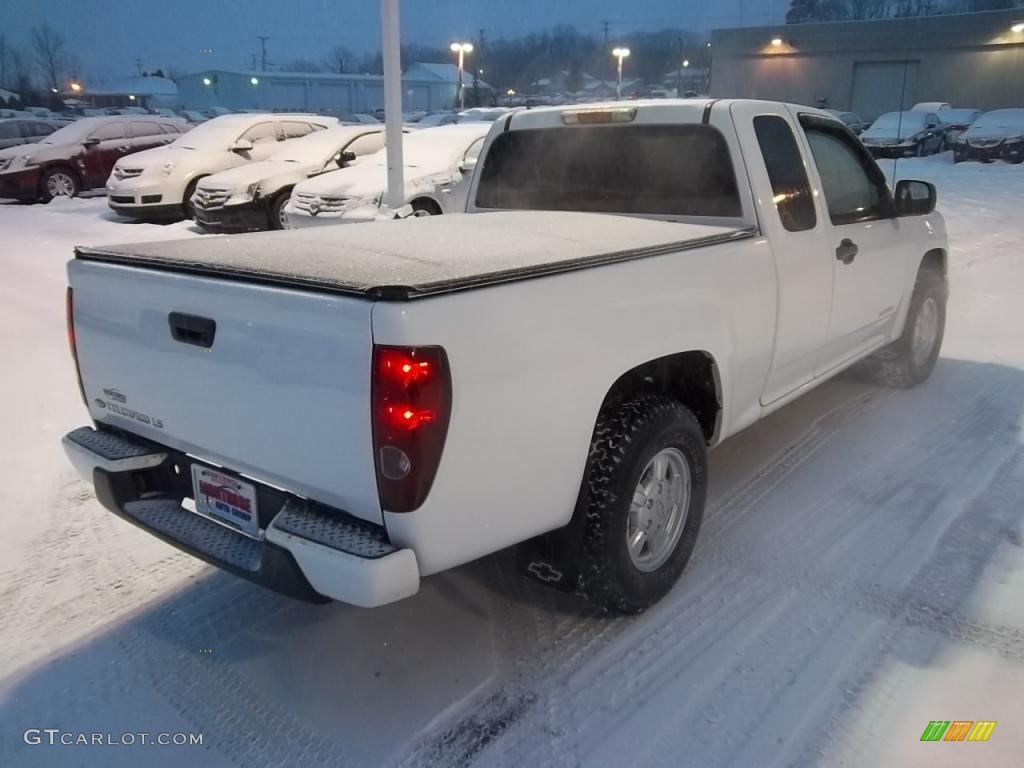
(419, 257)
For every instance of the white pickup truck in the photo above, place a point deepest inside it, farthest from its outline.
(337, 413)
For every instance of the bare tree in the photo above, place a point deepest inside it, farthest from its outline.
(49, 52)
(339, 60)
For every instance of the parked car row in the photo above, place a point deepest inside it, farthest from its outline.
(931, 127)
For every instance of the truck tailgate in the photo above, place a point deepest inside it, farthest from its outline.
(281, 395)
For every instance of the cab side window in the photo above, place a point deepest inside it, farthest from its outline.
(108, 132)
(260, 133)
(854, 187)
(791, 191)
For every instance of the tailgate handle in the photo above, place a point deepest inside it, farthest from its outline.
(192, 329)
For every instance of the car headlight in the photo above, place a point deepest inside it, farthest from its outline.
(244, 194)
(168, 167)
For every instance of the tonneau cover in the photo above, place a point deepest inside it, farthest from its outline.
(422, 256)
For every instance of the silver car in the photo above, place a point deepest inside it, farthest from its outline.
(16, 131)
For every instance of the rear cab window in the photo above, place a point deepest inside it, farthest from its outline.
(671, 170)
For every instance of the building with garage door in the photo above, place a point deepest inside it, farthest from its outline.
(870, 67)
(425, 87)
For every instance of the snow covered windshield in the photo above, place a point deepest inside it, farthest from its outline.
(77, 131)
(212, 133)
(435, 147)
(317, 146)
(666, 170)
(1003, 119)
(907, 123)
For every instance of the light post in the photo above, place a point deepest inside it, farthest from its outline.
(620, 54)
(462, 49)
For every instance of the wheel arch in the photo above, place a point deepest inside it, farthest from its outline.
(430, 201)
(936, 260)
(691, 377)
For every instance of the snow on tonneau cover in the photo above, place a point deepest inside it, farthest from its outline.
(282, 393)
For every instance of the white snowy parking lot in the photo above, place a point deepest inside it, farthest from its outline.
(860, 573)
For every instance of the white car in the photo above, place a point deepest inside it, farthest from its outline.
(252, 196)
(157, 184)
(438, 164)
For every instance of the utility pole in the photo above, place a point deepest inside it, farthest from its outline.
(679, 72)
(138, 66)
(604, 52)
(263, 46)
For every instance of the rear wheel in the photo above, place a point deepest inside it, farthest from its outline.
(910, 359)
(647, 481)
(60, 182)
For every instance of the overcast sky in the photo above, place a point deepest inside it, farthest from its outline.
(109, 35)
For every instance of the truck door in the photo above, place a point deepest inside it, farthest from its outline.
(800, 243)
(868, 244)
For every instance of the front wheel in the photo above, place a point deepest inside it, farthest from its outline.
(60, 182)
(647, 482)
(278, 218)
(910, 359)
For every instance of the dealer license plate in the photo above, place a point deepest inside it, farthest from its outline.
(225, 499)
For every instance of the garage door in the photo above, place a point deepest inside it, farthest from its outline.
(287, 95)
(883, 86)
(334, 97)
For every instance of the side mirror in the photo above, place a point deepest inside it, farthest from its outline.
(242, 145)
(468, 165)
(91, 142)
(343, 158)
(914, 198)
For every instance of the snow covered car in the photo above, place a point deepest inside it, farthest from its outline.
(905, 134)
(956, 121)
(252, 197)
(16, 131)
(339, 413)
(852, 120)
(438, 164)
(79, 156)
(159, 184)
(996, 135)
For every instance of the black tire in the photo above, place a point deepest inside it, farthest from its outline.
(896, 365)
(187, 211)
(277, 206)
(627, 437)
(425, 208)
(52, 173)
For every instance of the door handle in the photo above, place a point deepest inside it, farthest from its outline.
(847, 250)
(192, 329)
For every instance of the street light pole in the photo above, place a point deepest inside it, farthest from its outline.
(391, 49)
(620, 54)
(679, 72)
(462, 49)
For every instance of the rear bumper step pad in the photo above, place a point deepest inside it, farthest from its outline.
(309, 551)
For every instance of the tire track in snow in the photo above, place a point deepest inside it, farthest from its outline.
(934, 447)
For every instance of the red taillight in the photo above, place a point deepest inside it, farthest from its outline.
(411, 393)
(70, 308)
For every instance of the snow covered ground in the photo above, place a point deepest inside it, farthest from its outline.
(860, 573)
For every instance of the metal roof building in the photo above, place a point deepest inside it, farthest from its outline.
(425, 87)
(871, 67)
